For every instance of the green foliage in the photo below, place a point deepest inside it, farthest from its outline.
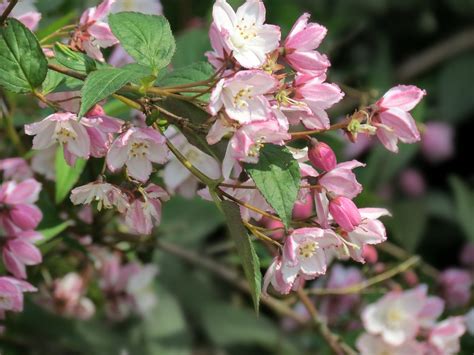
(245, 249)
(50, 233)
(66, 176)
(192, 73)
(52, 81)
(23, 66)
(409, 221)
(102, 83)
(190, 47)
(455, 89)
(464, 205)
(277, 176)
(76, 61)
(203, 216)
(147, 38)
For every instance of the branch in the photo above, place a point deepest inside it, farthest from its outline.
(337, 345)
(402, 267)
(431, 57)
(7, 11)
(229, 276)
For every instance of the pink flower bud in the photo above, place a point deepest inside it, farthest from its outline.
(370, 254)
(345, 213)
(277, 234)
(322, 156)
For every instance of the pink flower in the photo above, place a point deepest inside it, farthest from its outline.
(455, 287)
(15, 169)
(322, 156)
(345, 213)
(64, 128)
(18, 200)
(369, 344)
(19, 251)
(304, 253)
(437, 142)
(393, 120)
(370, 231)
(11, 294)
(300, 47)
(313, 96)
(43, 162)
(220, 52)
(142, 215)
(25, 12)
(246, 143)
(341, 180)
(106, 195)
(67, 297)
(275, 277)
(128, 287)
(92, 33)
(303, 207)
(137, 148)
(242, 96)
(100, 129)
(444, 337)
(395, 315)
(245, 33)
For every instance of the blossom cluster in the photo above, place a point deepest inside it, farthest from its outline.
(405, 322)
(19, 217)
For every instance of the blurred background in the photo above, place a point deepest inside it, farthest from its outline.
(373, 45)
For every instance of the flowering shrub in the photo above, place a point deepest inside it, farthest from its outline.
(248, 130)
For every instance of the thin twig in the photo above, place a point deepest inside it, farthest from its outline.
(7, 11)
(356, 288)
(229, 276)
(334, 341)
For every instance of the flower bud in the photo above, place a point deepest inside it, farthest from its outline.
(322, 156)
(345, 213)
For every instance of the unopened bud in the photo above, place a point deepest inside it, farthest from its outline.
(322, 156)
(345, 213)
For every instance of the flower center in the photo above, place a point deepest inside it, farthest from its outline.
(241, 98)
(308, 249)
(138, 149)
(63, 135)
(394, 317)
(254, 150)
(5, 302)
(244, 32)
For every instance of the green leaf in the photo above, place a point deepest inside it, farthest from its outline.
(464, 201)
(66, 176)
(190, 74)
(52, 81)
(409, 221)
(23, 66)
(104, 82)
(147, 38)
(238, 327)
(190, 47)
(202, 215)
(248, 256)
(277, 177)
(76, 61)
(455, 89)
(50, 233)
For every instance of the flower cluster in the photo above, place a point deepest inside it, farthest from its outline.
(397, 322)
(19, 217)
